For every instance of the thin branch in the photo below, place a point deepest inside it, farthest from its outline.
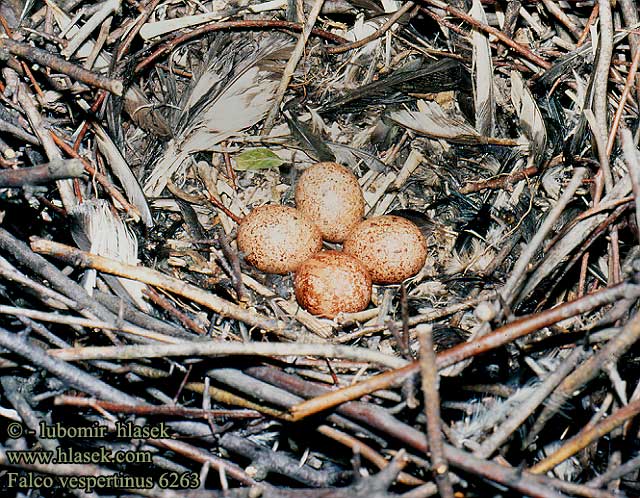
(517, 47)
(215, 348)
(588, 371)
(430, 383)
(290, 68)
(42, 174)
(375, 35)
(495, 339)
(221, 306)
(587, 436)
(60, 65)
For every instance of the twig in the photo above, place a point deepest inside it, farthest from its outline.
(632, 158)
(84, 322)
(265, 460)
(588, 371)
(27, 103)
(220, 26)
(375, 35)
(69, 374)
(630, 16)
(199, 455)
(517, 47)
(106, 9)
(600, 84)
(587, 436)
(140, 409)
(430, 383)
(234, 262)
(290, 68)
(99, 177)
(414, 320)
(516, 419)
(616, 472)
(515, 281)
(12, 391)
(380, 419)
(166, 305)
(44, 173)
(357, 446)
(497, 338)
(221, 306)
(55, 278)
(215, 348)
(555, 10)
(133, 32)
(623, 100)
(587, 28)
(60, 65)
(499, 182)
(6, 127)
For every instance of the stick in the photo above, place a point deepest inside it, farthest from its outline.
(430, 382)
(377, 34)
(67, 196)
(601, 81)
(69, 374)
(512, 286)
(107, 8)
(44, 173)
(216, 348)
(220, 26)
(148, 276)
(60, 65)
(588, 371)
(497, 338)
(291, 66)
(587, 436)
(517, 47)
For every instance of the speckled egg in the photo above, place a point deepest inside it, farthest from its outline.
(331, 282)
(391, 247)
(330, 195)
(277, 239)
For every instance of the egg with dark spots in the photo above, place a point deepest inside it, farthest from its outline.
(277, 239)
(332, 282)
(330, 195)
(392, 248)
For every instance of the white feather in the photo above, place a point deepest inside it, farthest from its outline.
(123, 172)
(530, 117)
(431, 121)
(489, 413)
(234, 93)
(483, 75)
(98, 230)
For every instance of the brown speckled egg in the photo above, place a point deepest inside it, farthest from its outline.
(390, 247)
(277, 239)
(331, 282)
(330, 195)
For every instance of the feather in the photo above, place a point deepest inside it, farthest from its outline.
(558, 254)
(124, 174)
(489, 413)
(234, 92)
(96, 229)
(311, 142)
(431, 121)
(483, 76)
(529, 114)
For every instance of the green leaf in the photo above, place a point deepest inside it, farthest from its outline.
(261, 158)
